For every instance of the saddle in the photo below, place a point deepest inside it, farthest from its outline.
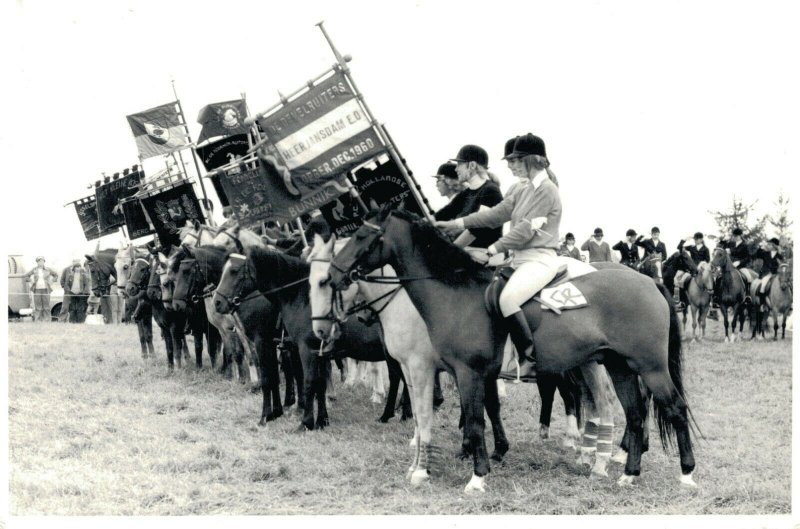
(555, 303)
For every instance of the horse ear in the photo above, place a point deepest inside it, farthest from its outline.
(196, 224)
(319, 242)
(89, 258)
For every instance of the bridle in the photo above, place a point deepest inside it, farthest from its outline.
(236, 241)
(199, 235)
(236, 298)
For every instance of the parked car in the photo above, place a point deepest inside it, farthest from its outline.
(20, 299)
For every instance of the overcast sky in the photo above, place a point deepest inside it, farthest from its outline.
(653, 113)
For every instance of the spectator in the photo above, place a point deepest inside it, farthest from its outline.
(77, 285)
(40, 278)
(599, 251)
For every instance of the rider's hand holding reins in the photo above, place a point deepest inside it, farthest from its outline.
(450, 227)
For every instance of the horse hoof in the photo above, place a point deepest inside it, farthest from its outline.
(419, 476)
(544, 432)
(625, 480)
(263, 422)
(620, 457)
(568, 442)
(462, 454)
(476, 484)
(599, 471)
(384, 418)
(497, 456)
(687, 481)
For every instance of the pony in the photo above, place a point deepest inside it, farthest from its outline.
(678, 261)
(447, 287)
(779, 298)
(730, 292)
(137, 310)
(651, 266)
(283, 280)
(144, 284)
(698, 293)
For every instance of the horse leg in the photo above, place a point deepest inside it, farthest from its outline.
(672, 415)
(263, 362)
(694, 323)
(724, 310)
(492, 406)
(570, 395)
(626, 384)
(298, 377)
(142, 338)
(287, 368)
(395, 375)
(198, 346)
(596, 379)
(272, 380)
(310, 372)
(471, 388)
(170, 345)
(421, 372)
(324, 366)
(546, 383)
(147, 328)
(783, 325)
(214, 342)
(438, 396)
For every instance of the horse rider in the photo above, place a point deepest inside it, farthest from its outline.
(599, 250)
(739, 252)
(699, 253)
(536, 212)
(446, 171)
(653, 244)
(40, 278)
(770, 253)
(480, 192)
(568, 249)
(628, 250)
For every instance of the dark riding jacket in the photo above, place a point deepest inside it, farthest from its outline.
(651, 248)
(629, 256)
(771, 263)
(739, 252)
(698, 256)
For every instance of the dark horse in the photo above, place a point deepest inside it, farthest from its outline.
(144, 280)
(197, 270)
(283, 280)
(678, 261)
(101, 269)
(730, 292)
(447, 287)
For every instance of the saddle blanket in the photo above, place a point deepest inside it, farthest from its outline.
(562, 297)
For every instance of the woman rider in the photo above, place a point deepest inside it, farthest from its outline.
(535, 212)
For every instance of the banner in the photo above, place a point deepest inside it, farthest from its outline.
(86, 208)
(158, 130)
(219, 153)
(170, 209)
(260, 194)
(320, 135)
(135, 219)
(381, 185)
(222, 119)
(108, 197)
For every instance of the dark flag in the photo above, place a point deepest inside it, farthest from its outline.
(86, 208)
(221, 152)
(135, 219)
(222, 119)
(170, 208)
(377, 186)
(158, 130)
(108, 195)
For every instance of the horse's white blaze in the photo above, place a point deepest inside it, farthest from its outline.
(620, 457)
(688, 481)
(476, 484)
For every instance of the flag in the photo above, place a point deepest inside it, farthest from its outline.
(219, 153)
(158, 130)
(87, 216)
(135, 219)
(222, 119)
(109, 215)
(169, 210)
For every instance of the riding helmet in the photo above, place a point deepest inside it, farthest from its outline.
(527, 145)
(472, 153)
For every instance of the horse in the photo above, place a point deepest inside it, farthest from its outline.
(678, 261)
(283, 280)
(194, 233)
(651, 266)
(137, 310)
(447, 287)
(698, 293)
(103, 274)
(779, 298)
(144, 280)
(200, 266)
(730, 292)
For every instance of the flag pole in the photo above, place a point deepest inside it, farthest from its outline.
(206, 202)
(342, 61)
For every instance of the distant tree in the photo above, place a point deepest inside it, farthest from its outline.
(739, 216)
(780, 222)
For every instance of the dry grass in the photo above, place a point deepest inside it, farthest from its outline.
(95, 430)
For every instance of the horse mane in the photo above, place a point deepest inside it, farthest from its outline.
(448, 262)
(282, 268)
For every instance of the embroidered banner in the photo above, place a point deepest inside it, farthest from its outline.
(222, 119)
(110, 217)
(170, 209)
(219, 153)
(86, 208)
(135, 219)
(158, 130)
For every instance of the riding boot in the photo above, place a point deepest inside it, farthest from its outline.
(522, 337)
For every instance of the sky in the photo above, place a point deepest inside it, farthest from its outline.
(653, 113)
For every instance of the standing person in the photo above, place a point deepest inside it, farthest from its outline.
(628, 250)
(63, 315)
(78, 285)
(472, 164)
(698, 252)
(568, 249)
(536, 211)
(653, 244)
(599, 251)
(40, 278)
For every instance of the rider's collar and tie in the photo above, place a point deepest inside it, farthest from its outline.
(539, 178)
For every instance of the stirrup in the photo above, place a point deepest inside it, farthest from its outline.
(529, 374)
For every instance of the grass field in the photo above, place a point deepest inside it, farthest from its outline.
(95, 430)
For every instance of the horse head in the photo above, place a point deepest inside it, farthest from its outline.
(236, 283)
(139, 273)
(704, 277)
(328, 305)
(369, 248)
(785, 276)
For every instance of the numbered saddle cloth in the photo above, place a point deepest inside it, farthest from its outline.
(563, 296)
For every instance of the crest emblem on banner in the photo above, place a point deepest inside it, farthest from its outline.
(229, 117)
(157, 134)
(172, 213)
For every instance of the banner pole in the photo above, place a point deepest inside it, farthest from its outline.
(302, 232)
(342, 60)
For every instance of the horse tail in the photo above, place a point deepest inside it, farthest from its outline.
(675, 367)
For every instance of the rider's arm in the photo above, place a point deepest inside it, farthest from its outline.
(585, 246)
(540, 204)
(618, 246)
(465, 239)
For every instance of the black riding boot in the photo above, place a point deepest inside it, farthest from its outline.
(522, 337)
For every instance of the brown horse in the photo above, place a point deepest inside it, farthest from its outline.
(779, 298)
(699, 291)
(447, 287)
(651, 267)
(731, 292)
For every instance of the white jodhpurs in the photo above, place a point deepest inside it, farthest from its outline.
(533, 270)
